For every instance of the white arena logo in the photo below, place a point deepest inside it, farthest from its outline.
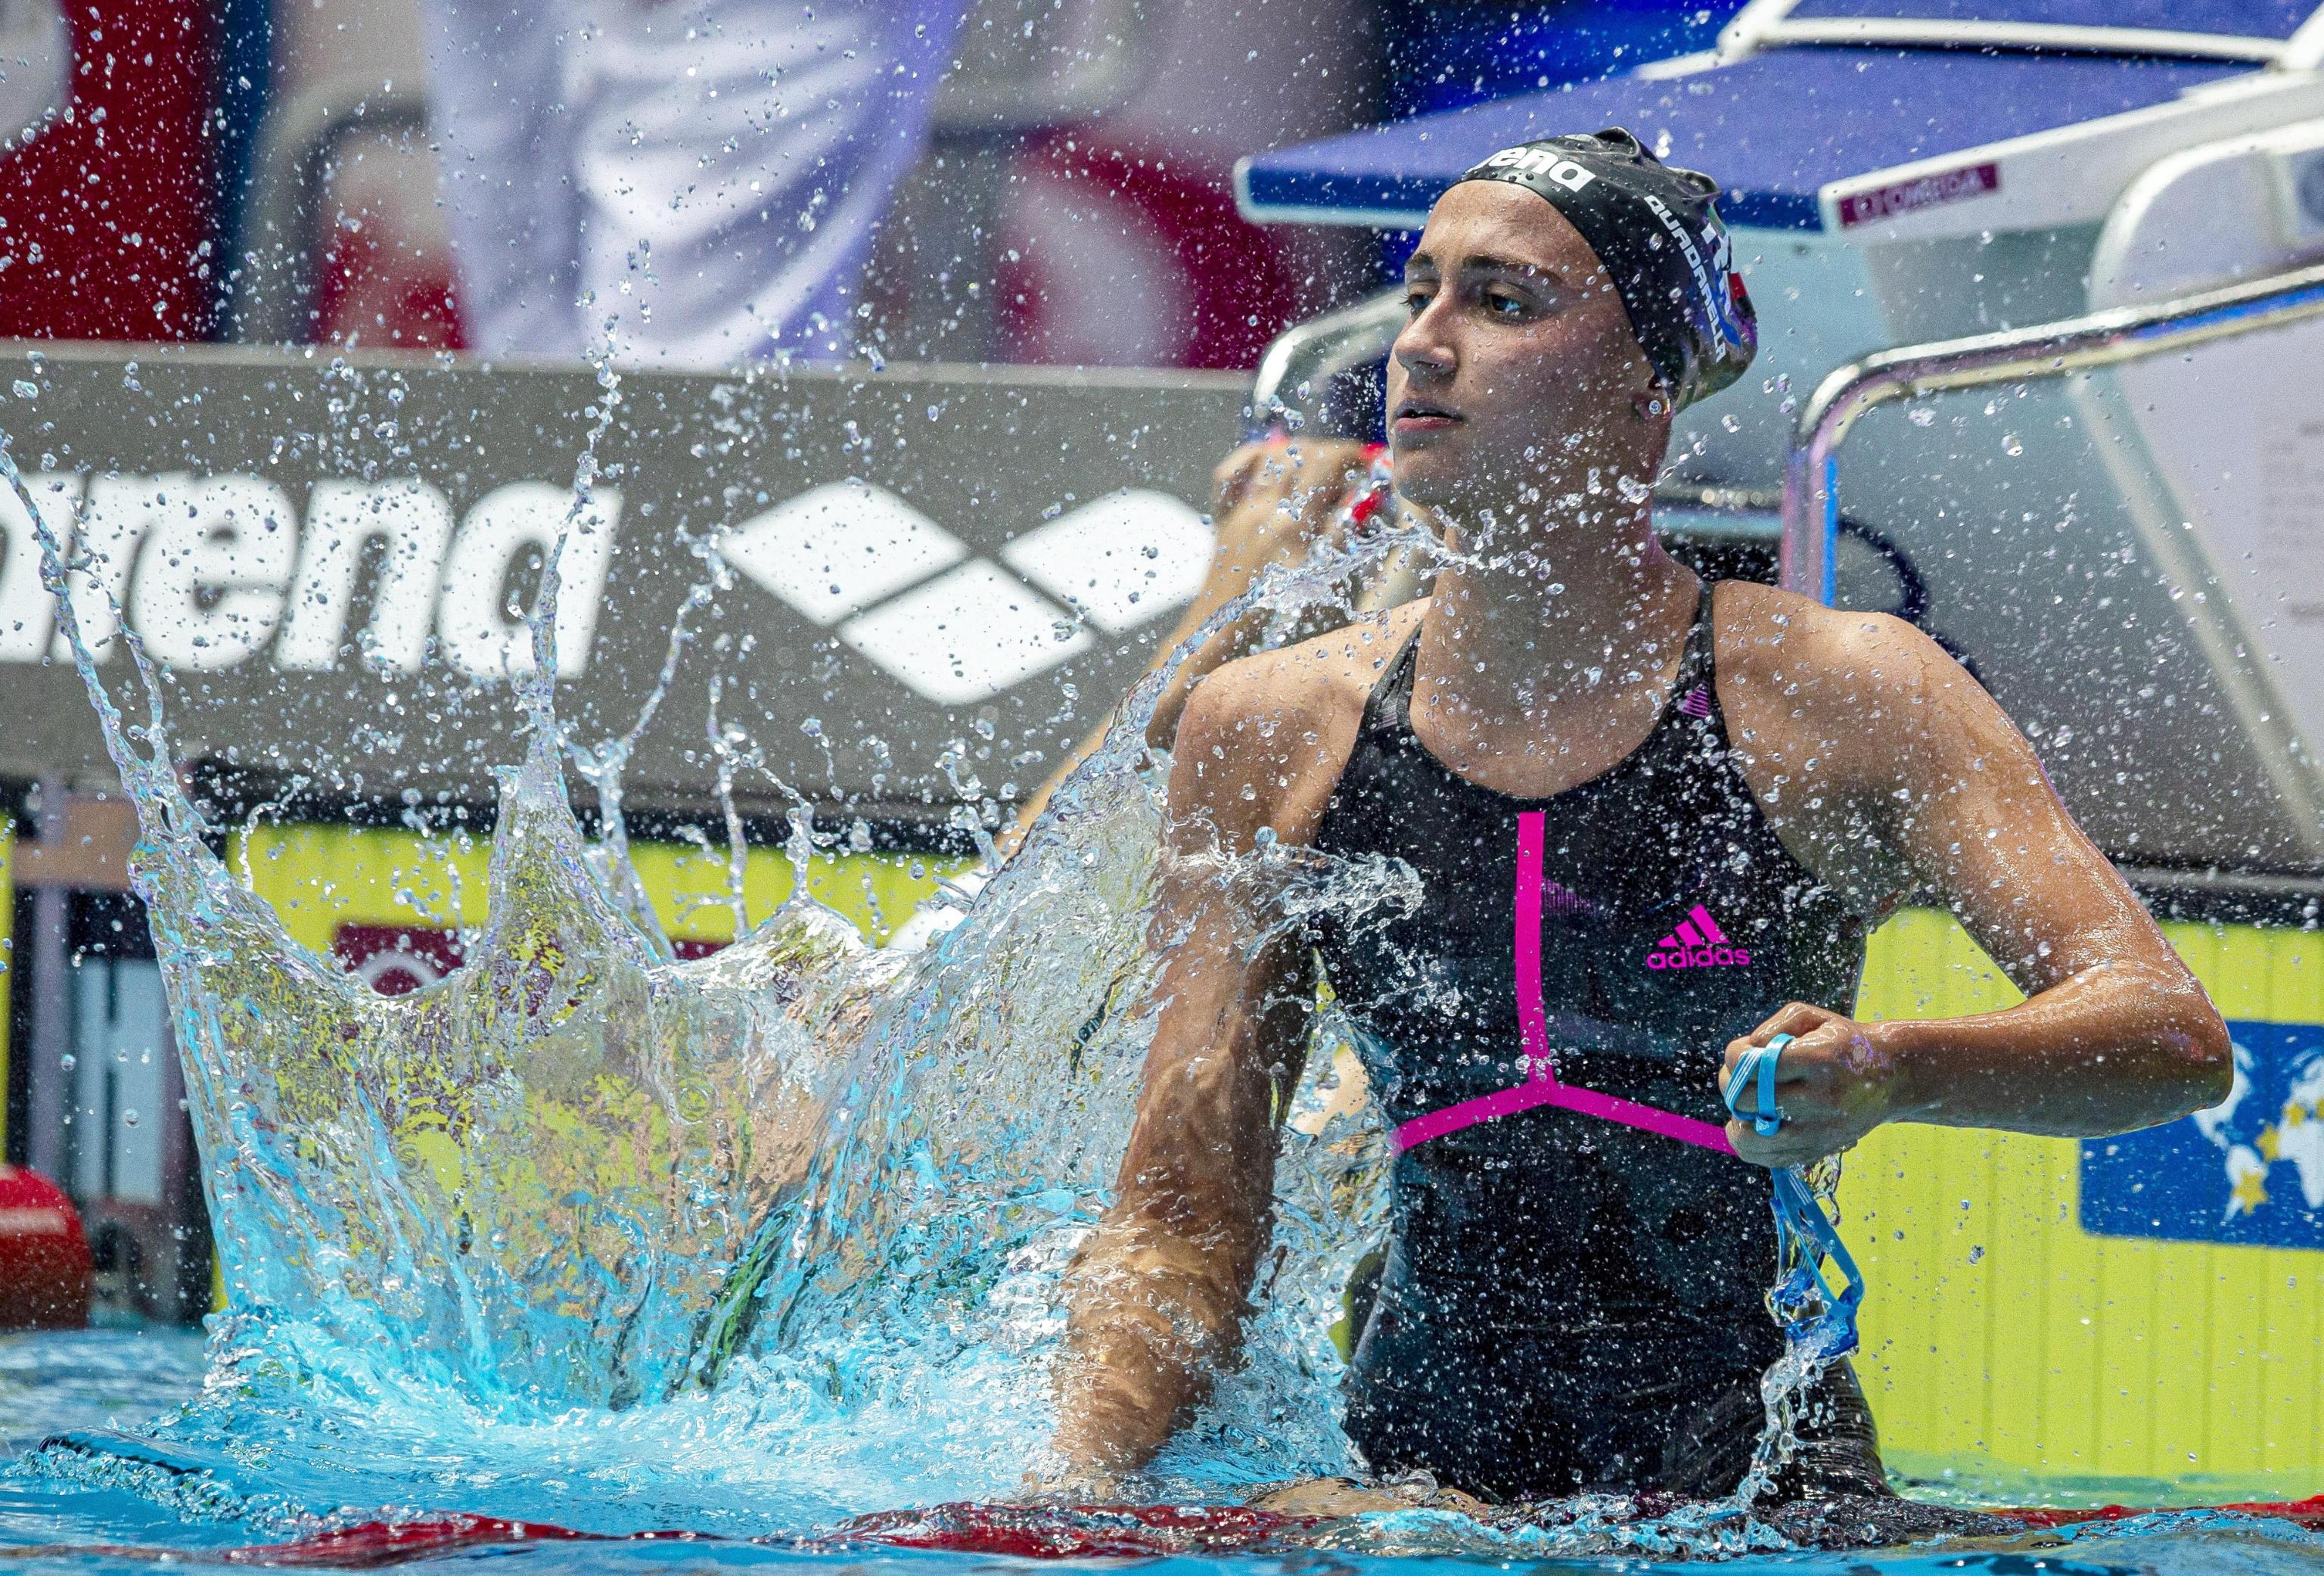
(221, 569)
(212, 570)
(905, 593)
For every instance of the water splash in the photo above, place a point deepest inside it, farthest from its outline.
(758, 1240)
(579, 1174)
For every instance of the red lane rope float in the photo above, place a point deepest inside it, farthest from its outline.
(2307, 1512)
(44, 1263)
(391, 1543)
(1020, 1531)
(1077, 1532)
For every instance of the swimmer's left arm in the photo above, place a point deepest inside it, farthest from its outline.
(1906, 780)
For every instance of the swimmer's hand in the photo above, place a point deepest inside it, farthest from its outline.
(1333, 1496)
(1069, 1486)
(1834, 1084)
(1273, 501)
(1282, 482)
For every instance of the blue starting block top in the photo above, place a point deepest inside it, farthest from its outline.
(1805, 94)
(1775, 128)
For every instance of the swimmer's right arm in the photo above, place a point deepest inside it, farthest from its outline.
(1158, 1293)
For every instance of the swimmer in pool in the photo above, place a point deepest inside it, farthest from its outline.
(1653, 820)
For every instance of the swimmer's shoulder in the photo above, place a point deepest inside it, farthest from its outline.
(1771, 641)
(1320, 678)
(1801, 681)
(1282, 724)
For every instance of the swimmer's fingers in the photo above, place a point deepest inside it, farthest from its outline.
(1230, 482)
(1304, 477)
(1830, 1087)
(1329, 471)
(1796, 1019)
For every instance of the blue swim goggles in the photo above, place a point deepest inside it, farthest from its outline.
(1818, 1319)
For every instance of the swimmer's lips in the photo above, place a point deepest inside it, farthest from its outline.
(1415, 418)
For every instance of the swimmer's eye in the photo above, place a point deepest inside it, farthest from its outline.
(1416, 301)
(1504, 304)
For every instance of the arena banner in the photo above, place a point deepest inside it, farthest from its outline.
(906, 588)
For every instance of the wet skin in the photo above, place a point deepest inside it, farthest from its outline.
(1519, 404)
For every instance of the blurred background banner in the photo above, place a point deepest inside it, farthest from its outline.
(346, 612)
(970, 179)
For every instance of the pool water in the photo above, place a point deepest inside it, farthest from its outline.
(144, 1496)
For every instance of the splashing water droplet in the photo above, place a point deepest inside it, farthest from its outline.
(574, 1172)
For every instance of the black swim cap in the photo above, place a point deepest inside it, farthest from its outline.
(1656, 229)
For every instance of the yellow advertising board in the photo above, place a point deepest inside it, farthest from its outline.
(2182, 1340)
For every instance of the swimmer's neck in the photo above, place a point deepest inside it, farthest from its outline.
(1577, 605)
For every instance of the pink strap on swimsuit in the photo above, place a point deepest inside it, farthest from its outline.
(1541, 1086)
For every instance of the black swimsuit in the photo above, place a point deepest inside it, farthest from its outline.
(1568, 1303)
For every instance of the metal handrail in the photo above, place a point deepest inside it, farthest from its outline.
(271, 297)
(1301, 360)
(1764, 24)
(1810, 527)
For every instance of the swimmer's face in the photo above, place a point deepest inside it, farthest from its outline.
(1518, 345)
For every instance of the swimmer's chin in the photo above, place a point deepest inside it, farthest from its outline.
(1428, 471)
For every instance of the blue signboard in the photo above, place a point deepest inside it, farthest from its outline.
(2250, 1169)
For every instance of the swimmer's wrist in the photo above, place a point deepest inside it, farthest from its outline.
(1897, 1072)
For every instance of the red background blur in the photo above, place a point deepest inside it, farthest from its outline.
(108, 209)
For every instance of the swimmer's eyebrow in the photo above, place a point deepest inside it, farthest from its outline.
(1420, 262)
(1510, 265)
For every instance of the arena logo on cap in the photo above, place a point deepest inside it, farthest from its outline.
(1541, 161)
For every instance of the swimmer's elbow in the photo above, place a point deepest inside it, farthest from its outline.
(2193, 1039)
(2209, 1054)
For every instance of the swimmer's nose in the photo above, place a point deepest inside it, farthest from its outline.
(1421, 351)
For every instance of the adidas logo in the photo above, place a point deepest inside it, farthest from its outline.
(1697, 943)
